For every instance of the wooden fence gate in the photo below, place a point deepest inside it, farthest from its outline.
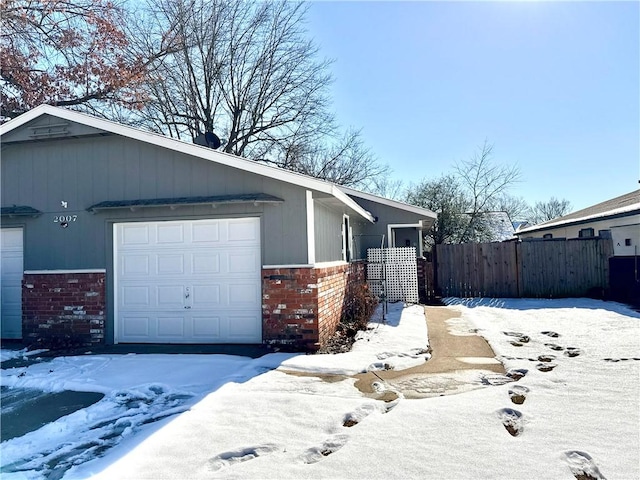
(536, 269)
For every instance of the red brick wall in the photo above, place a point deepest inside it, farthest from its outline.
(63, 310)
(301, 307)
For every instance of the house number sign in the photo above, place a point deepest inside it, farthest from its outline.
(64, 220)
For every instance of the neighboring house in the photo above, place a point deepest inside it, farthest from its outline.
(618, 218)
(499, 226)
(111, 234)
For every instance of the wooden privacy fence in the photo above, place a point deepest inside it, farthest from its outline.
(537, 269)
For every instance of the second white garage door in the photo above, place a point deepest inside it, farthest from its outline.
(191, 281)
(11, 259)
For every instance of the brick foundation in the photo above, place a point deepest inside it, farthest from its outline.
(301, 307)
(63, 310)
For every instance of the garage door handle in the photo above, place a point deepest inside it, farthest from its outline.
(187, 306)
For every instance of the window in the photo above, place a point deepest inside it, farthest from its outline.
(627, 242)
(586, 232)
(547, 235)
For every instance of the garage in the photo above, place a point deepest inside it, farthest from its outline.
(11, 264)
(188, 281)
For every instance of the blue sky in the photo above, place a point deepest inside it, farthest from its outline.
(554, 86)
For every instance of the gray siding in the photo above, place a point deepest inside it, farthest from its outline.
(50, 127)
(86, 171)
(372, 234)
(328, 233)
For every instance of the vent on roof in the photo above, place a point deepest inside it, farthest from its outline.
(208, 139)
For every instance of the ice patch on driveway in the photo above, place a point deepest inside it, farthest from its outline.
(89, 433)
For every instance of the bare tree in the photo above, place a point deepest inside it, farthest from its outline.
(385, 186)
(485, 182)
(247, 71)
(344, 160)
(545, 211)
(467, 200)
(516, 207)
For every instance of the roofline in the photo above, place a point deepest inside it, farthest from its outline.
(387, 201)
(579, 221)
(192, 149)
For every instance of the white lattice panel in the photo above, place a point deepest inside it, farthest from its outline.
(399, 275)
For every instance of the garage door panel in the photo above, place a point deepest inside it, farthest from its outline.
(136, 326)
(243, 326)
(11, 263)
(170, 233)
(206, 232)
(187, 283)
(170, 264)
(243, 231)
(136, 264)
(206, 296)
(12, 239)
(135, 234)
(171, 326)
(243, 261)
(243, 294)
(136, 296)
(170, 296)
(206, 327)
(11, 296)
(207, 262)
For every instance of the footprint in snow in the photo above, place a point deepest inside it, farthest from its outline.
(495, 379)
(546, 358)
(582, 466)
(518, 394)
(512, 421)
(520, 337)
(554, 347)
(391, 405)
(225, 459)
(379, 366)
(572, 351)
(329, 446)
(546, 366)
(359, 414)
(517, 373)
(551, 334)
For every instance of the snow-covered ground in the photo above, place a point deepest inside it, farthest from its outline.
(216, 416)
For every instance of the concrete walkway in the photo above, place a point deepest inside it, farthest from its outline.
(460, 360)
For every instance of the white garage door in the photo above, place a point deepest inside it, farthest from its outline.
(11, 268)
(195, 281)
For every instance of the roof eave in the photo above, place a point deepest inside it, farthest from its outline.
(390, 203)
(173, 144)
(577, 221)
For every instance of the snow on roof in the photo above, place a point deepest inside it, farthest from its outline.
(624, 204)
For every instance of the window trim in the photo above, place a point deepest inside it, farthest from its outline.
(347, 244)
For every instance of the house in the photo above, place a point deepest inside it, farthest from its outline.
(618, 218)
(111, 234)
